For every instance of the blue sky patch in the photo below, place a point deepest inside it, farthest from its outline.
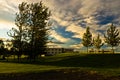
(61, 30)
(105, 19)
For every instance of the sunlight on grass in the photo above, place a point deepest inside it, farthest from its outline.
(105, 64)
(15, 68)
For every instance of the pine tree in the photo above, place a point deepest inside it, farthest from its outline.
(112, 37)
(87, 38)
(97, 42)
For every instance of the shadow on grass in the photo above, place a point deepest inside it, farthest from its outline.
(96, 61)
(62, 74)
(90, 60)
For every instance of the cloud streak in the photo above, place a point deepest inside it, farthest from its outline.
(73, 15)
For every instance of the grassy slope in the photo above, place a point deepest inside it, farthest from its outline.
(107, 64)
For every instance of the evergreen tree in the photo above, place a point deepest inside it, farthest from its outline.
(97, 42)
(87, 38)
(112, 37)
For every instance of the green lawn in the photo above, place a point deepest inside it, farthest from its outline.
(21, 68)
(105, 64)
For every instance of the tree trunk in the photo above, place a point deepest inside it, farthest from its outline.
(87, 50)
(18, 57)
(112, 50)
(14, 56)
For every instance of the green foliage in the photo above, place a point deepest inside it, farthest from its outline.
(1, 44)
(87, 38)
(31, 34)
(38, 29)
(97, 42)
(18, 34)
(112, 37)
(38, 17)
(2, 49)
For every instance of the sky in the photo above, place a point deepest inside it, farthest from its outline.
(69, 18)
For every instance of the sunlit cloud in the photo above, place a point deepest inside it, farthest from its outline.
(58, 37)
(77, 30)
(77, 46)
(6, 24)
(73, 15)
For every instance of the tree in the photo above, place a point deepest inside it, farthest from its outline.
(2, 49)
(38, 29)
(18, 34)
(1, 44)
(97, 42)
(112, 37)
(32, 22)
(87, 38)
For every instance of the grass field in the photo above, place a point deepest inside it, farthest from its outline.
(103, 64)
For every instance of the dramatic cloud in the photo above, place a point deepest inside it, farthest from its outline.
(69, 17)
(78, 31)
(58, 37)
